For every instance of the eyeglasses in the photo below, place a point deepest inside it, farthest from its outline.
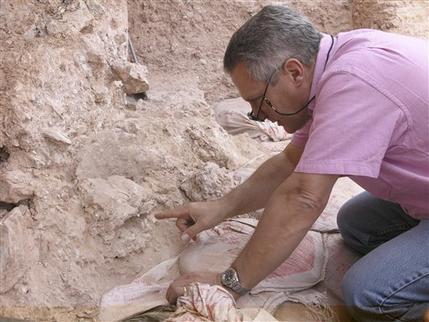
(254, 117)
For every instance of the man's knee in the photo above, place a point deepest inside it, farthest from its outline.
(350, 225)
(360, 300)
(367, 302)
(346, 217)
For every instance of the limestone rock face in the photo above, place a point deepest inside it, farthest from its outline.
(54, 64)
(15, 186)
(209, 184)
(110, 202)
(18, 246)
(80, 172)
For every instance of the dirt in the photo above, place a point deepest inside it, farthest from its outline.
(82, 170)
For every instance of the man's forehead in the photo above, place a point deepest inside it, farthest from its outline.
(248, 88)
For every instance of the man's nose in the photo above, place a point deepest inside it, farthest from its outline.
(254, 109)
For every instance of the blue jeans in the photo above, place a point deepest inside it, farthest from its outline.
(391, 281)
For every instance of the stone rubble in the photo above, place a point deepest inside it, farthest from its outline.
(132, 75)
(83, 166)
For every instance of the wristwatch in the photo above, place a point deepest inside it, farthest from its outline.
(230, 280)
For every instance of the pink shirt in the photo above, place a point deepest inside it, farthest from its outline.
(370, 118)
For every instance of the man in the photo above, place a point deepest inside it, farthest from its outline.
(358, 106)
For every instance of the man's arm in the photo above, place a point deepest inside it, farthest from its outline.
(254, 193)
(289, 214)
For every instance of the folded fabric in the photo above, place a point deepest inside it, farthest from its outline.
(340, 259)
(142, 294)
(231, 114)
(214, 250)
(203, 302)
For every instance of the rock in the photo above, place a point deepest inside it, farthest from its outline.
(123, 161)
(210, 183)
(110, 202)
(3, 213)
(56, 135)
(55, 27)
(133, 76)
(4, 154)
(101, 93)
(15, 186)
(18, 246)
(70, 20)
(131, 102)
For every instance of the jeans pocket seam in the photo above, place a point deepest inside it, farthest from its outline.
(381, 305)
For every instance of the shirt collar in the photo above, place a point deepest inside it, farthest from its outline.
(325, 44)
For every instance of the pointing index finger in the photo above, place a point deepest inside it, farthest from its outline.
(173, 213)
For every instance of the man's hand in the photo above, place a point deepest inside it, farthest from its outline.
(251, 195)
(195, 217)
(177, 288)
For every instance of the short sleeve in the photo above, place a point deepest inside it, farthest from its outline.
(300, 137)
(352, 128)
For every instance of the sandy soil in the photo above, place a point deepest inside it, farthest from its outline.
(81, 170)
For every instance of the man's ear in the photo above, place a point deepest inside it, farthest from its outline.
(294, 69)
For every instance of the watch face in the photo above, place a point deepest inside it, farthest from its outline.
(229, 277)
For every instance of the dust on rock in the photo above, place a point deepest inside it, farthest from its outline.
(82, 168)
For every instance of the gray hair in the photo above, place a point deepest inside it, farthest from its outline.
(266, 40)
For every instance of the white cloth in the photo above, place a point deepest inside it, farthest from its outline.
(231, 114)
(214, 250)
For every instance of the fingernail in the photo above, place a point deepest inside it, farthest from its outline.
(185, 238)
